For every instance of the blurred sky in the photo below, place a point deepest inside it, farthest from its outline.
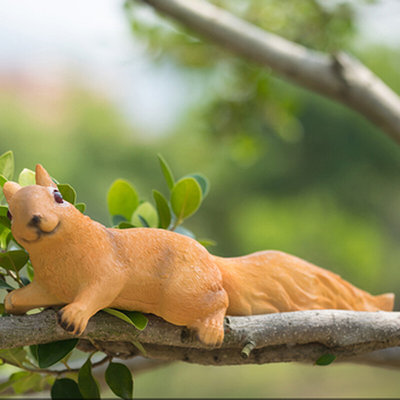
(91, 39)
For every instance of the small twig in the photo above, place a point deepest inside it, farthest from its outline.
(247, 349)
(96, 364)
(15, 276)
(19, 280)
(67, 366)
(52, 371)
(175, 224)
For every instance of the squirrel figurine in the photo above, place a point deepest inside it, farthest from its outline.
(85, 267)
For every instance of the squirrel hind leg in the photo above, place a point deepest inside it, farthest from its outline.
(211, 330)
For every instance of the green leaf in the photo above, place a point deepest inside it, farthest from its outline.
(7, 165)
(25, 280)
(3, 211)
(135, 318)
(50, 353)
(140, 347)
(65, 388)
(34, 351)
(117, 219)
(122, 199)
(326, 359)
(24, 381)
(5, 222)
(29, 271)
(3, 180)
(147, 211)
(27, 177)
(164, 213)
(139, 320)
(119, 379)
(202, 181)
(13, 259)
(143, 222)
(15, 356)
(5, 385)
(207, 242)
(81, 207)
(5, 226)
(166, 170)
(5, 285)
(185, 231)
(68, 192)
(5, 236)
(125, 225)
(48, 380)
(10, 237)
(185, 198)
(88, 386)
(35, 383)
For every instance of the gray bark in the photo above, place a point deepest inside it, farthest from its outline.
(294, 336)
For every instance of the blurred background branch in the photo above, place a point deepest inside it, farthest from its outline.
(94, 91)
(338, 76)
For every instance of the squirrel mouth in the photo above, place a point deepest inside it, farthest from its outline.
(41, 233)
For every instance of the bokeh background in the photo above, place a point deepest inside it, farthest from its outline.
(94, 90)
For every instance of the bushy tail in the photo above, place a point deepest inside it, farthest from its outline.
(273, 281)
(385, 302)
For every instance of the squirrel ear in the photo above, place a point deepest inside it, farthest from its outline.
(43, 178)
(9, 190)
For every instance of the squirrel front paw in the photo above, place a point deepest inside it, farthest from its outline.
(73, 318)
(11, 306)
(8, 305)
(211, 330)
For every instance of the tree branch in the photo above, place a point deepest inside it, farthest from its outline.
(339, 77)
(294, 336)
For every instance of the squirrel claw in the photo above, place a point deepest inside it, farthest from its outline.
(8, 305)
(211, 330)
(64, 317)
(64, 323)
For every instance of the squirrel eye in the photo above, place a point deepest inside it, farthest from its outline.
(58, 196)
(9, 215)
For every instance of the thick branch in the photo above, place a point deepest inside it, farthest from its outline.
(339, 77)
(295, 336)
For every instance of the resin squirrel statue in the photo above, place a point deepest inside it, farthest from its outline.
(85, 267)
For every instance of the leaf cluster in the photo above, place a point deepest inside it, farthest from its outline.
(184, 198)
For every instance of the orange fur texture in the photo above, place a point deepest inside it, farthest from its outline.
(84, 266)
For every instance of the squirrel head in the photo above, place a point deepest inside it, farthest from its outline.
(36, 211)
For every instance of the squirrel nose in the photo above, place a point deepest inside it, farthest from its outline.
(35, 220)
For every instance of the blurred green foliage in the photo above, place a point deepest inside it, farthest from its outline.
(278, 381)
